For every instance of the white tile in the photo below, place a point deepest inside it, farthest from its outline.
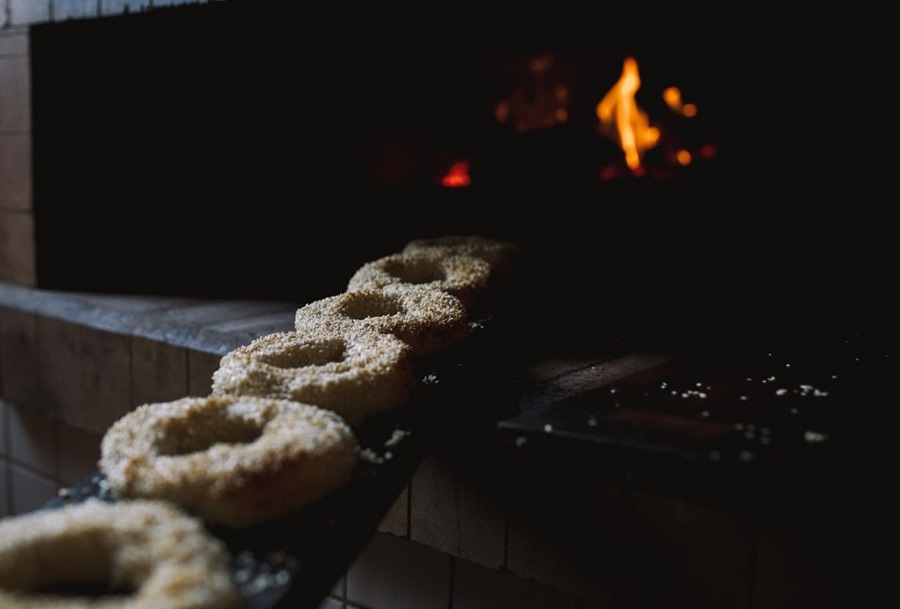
(30, 490)
(29, 11)
(13, 42)
(32, 440)
(74, 9)
(395, 573)
(477, 587)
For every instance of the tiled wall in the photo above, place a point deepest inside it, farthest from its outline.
(488, 533)
(17, 259)
(62, 383)
(66, 374)
(42, 447)
(17, 253)
(445, 544)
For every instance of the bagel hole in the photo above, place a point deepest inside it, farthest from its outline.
(415, 271)
(300, 355)
(198, 438)
(364, 305)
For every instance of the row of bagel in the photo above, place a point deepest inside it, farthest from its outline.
(277, 432)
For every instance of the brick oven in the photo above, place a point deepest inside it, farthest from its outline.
(176, 180)
(257, 154)
(253, 155)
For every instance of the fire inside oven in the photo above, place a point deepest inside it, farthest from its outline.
(168, 162)
(191, 149)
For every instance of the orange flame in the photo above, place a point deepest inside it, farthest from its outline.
(619, 114)
(457, 176)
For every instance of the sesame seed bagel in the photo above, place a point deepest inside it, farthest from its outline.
(354, 372)
(429, 320)
(233, 460)
(466, 277)
(125, 555)
(501, 255)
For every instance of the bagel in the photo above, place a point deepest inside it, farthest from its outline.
(232, 460)
(354, 373)
(125, 555)
(466, 277)
(501, 255)
(429, 320)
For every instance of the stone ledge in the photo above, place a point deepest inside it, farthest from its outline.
(214, 327)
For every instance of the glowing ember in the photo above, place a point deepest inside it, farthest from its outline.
(683, 157)
(623, 120)
(672, 97)
(457, 176)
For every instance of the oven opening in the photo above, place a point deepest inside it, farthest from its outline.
(646, 180)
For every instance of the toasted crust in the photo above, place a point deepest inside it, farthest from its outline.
(233, 460)
(429, 320)
(148, 554)
(501, 255)
(466, 277)
(354, 372)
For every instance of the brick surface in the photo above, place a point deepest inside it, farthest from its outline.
(26, 12)
(58, 365)
(454, 516)
(85, 374)
(19, 359)
(211, 326)
(255, 325)
(159, 371)
(201, 366)
(17, 253)
(15, 94)
(3, 435)
(74, 9)
(32, 440)
(5, 499)
(13, 41)
(117, 7)
(15, 171)
(105, 365)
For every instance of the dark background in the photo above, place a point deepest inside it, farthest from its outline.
(228, 151)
